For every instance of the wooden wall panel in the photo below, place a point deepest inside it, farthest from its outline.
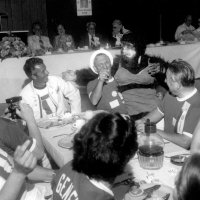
(22, 13)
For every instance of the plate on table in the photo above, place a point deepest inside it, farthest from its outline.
(179, 159)
(159, 192)
(66, 142)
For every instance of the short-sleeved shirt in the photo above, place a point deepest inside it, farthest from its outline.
(69, 184)
(178, 112)
(111, 100)
(12, 134)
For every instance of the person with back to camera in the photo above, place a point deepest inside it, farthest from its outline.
(37, 42)
(180, 107)
(185, 31)
(46, 94)
(102, 149)
(90, 39)
(187, 185)
(63, 42)
(102, 91)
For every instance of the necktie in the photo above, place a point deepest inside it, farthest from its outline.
(92, 42)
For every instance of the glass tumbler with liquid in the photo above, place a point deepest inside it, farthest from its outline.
(150, 150)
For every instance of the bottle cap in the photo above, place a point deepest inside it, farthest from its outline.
(150, 127)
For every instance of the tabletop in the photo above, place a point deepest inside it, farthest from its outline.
(166, 175)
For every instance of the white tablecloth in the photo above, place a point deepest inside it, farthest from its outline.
(12, 75)
(51, 137)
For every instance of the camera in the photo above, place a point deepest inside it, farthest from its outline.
(13, 103)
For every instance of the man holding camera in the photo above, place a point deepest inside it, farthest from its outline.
(13, 133)
(47, 94)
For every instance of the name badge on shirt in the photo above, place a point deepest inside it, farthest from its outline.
(114, 104)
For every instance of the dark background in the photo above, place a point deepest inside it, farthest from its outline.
(142, 16)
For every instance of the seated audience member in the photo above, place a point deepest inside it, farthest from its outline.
(14, 174)
(138, 75)
(103, 91)
(38, 43)
(63, 41)
(180, 108)
(102, 149)
(197, 31)
(118, 32)
(46, 94)
(13, 134)
(187, 185)
(185, 31)
(90, 39)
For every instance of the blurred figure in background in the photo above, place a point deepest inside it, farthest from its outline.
(37, 42)
(184, 32)
(118, 32)
(90, 39)
(197, 31)
(63, 42)
(188, 181)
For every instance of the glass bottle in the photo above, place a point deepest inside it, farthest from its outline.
(150, 147)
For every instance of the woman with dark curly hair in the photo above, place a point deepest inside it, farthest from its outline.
(102, 149)
(138, 75)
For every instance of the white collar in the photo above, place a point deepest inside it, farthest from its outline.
(101, 186)
(188, 96)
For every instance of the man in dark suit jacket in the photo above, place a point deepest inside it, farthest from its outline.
(91, 40)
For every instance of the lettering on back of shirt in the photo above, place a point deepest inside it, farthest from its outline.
(65, 188)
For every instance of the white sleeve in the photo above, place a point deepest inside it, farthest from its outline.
(72, 93)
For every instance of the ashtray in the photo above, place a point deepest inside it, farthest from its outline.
(179, 159)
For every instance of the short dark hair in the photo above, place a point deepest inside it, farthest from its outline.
(103, 146)
(30, 64)
(91, 23)
(36, 23)
(183, 72)
(188, 182)
(136, 40)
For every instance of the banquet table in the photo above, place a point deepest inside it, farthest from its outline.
(12, 76)
(166, 175)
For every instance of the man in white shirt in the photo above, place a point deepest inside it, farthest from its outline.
(47, 94)
(185, 31)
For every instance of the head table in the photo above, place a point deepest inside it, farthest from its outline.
(12, 76)
(166, 175)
